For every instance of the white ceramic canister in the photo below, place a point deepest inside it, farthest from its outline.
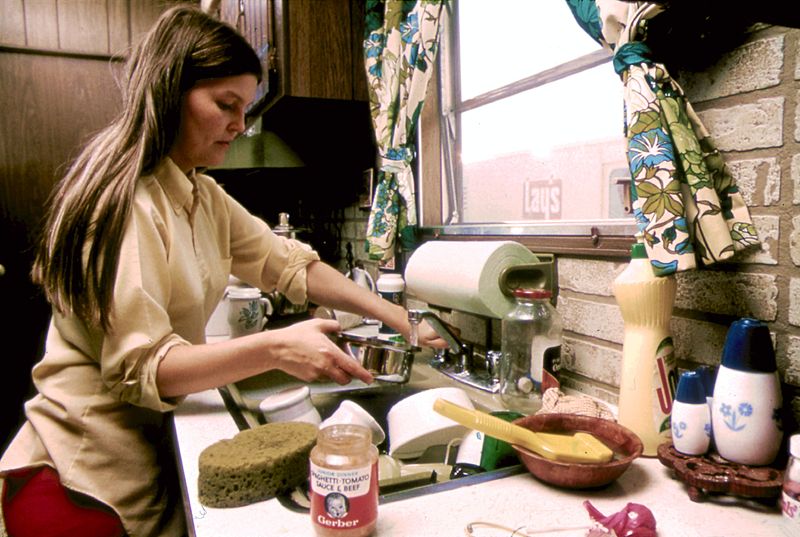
(390, 286)
(291, 404)
(747, 405)
(691, 418)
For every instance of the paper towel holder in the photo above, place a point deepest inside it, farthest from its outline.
(528, 275)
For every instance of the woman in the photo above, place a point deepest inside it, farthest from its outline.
(139, 250)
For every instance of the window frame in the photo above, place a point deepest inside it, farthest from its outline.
(609, 237)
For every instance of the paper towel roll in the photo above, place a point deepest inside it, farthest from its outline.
(465, 275)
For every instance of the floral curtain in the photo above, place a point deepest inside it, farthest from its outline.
(685, 201)
(399, 49)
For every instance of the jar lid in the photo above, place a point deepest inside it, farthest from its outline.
(523, 292)
(691, 389)
(390, 282)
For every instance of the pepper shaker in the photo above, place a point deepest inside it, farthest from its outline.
(746, 414)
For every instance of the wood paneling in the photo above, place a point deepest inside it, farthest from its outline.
(12, 23)
(89, 27)
(83, 26)
(143, 13)
(430, 156)
(41, 24)
(50, 106)
(119, 28)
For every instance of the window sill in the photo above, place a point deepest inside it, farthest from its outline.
(607, 238)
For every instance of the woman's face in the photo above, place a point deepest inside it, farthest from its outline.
(212, 115)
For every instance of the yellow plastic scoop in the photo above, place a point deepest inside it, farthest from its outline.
(578, 447)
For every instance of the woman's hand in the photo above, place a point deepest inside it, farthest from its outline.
(305, 350)
(427, 337)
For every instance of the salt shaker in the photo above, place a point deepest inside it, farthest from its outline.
(691, 419)
(746, 413)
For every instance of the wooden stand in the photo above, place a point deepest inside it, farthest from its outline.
(710, 473)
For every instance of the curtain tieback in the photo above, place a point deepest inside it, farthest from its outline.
(396, 159)
(632, 53)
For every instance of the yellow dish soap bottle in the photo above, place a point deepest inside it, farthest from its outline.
(649, 373)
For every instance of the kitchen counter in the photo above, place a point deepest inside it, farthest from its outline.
(515, 501)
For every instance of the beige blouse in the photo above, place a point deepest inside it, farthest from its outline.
(98, 417)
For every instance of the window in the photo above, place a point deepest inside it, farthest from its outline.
(533, 108)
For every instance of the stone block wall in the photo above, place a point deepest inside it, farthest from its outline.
(750, 103)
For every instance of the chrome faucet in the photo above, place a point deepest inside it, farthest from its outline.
(462, 366)
(415, 317)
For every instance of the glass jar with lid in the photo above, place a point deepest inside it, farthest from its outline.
(530, 345)
(343, 482)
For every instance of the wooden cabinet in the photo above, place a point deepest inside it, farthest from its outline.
(319, 46)
(315, 46)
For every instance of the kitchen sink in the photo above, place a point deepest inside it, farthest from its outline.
(242, 400)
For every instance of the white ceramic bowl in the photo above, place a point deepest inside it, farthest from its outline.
(350, 412)
(414, 426)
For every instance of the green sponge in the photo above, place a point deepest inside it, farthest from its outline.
(256, 464)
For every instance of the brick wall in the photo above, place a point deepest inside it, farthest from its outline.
(750, 102)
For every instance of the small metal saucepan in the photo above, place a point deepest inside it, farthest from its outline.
(386, 360)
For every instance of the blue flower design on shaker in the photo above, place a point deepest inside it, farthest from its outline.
(745, 410)
(707, 429)
(249, 315)
(678, 428)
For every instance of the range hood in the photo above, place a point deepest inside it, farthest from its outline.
(259, 148)
(307, 132)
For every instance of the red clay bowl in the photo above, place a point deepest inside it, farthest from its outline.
(625, 444)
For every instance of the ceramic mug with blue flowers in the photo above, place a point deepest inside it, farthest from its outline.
(747, 402)
(247, 310)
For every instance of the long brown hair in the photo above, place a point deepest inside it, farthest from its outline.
(76, 262)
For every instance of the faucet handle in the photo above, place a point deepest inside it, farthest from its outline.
(415, 317)
(493, 364)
